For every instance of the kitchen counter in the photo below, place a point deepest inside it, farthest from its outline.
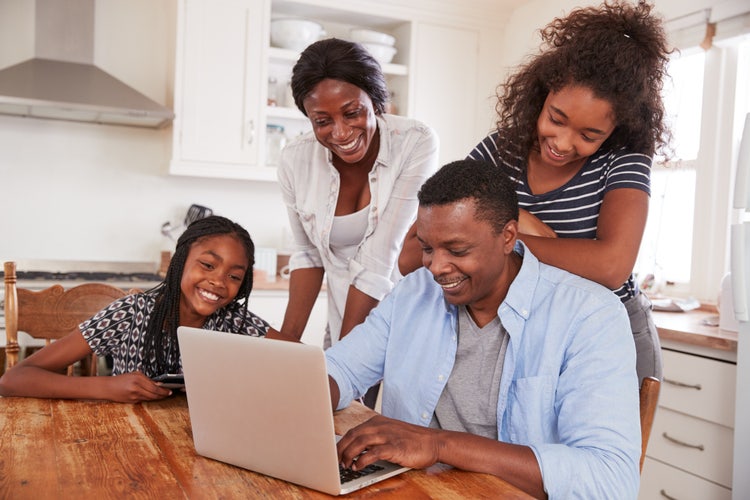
(688, 328)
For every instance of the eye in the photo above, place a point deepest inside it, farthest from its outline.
(353, 114)
(427, 250)
(458, 252)
(235, 277)
(587, 138)
(206, 265)
(320, 123)
(554, 120)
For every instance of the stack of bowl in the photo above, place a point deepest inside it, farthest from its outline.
(380, 45)
(295, 33)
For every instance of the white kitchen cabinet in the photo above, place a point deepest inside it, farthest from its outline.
(271, 306)
(444, 67)
(219, 128)
(690, 450)
(224, 61)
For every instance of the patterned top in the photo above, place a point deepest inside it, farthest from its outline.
(118, 331)
(572, 210)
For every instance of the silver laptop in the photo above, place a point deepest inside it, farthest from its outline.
(265, 405)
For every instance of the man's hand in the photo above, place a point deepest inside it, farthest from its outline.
(382, 438)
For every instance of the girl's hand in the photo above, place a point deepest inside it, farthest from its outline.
(135, 387)
(530, 225)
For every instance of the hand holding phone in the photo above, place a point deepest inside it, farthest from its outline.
(170, 380)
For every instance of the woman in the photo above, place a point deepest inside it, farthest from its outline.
(578, 126)
(350, 186)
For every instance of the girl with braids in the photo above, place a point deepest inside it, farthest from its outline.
(578, 126)
(207, 286)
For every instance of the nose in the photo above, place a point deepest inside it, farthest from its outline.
(217, 278)
(340, 130)
(563, 142)
(437, 262)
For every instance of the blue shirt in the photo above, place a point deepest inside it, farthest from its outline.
(568, 390)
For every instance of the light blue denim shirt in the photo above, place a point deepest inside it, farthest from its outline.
(568, 390)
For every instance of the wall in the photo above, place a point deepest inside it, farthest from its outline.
(95, 192)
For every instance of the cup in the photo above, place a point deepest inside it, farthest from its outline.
(284, 272)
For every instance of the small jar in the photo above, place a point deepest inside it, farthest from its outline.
(273, 91)
(275, 142)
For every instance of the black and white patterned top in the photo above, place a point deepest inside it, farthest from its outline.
(118, 331)
(572, 210)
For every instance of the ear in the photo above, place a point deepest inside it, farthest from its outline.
(510, 234)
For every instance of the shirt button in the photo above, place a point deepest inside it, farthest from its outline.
(440, 378)
(524, 312)
(424, 415)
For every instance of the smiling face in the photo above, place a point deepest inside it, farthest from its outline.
(343, 119)
(473, 265)
(573, 124)
(214, 270)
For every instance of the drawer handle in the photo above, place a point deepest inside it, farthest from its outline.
(682, 443)
(664, 494)
(697, 387)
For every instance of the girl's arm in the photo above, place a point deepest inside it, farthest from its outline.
(304, 287)
(358, 306)
(610, 258)
(41, 375)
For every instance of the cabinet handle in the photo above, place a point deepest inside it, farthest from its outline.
(697, 387)
(682, 443)
(664, 494)
(250, 132)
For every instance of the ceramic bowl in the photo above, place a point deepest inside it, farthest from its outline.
(382, 53)
(361, 35)
(294, 33)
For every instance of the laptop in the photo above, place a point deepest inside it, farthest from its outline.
(265, 405)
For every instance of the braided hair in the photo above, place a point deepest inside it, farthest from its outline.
(617, 50)
(161, 334)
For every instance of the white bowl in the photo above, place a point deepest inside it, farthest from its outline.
(382, 53)
(294, 33)
(361, 35)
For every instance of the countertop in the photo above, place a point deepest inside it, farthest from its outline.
(689, 328)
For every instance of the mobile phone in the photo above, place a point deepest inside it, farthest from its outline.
(170, 380)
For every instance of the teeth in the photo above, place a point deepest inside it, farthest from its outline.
(208, 295)
(448, 286)
(347, 147)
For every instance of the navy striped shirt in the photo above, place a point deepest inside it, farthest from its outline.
(572, 210)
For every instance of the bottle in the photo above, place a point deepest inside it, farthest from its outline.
(275, 142)
(273, 91)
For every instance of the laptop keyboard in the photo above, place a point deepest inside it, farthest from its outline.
(348, 474)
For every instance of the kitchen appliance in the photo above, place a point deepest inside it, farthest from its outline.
(740, 269)
(194, 213)
(61, 81)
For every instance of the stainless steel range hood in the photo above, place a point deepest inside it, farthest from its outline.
(61, 81)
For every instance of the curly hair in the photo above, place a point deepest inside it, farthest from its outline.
(618, 50)
(493, 192)
(161, 334)
(339, 60)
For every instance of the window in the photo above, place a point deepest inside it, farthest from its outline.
(685, 244)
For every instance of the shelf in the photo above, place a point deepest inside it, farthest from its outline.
(291, 56)
(284, 112)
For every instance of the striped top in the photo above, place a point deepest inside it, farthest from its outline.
(572, 210)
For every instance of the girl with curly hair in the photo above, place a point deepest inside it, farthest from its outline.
(578, 126)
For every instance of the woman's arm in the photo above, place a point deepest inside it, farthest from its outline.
(40, 375)
(358, 306)
(304, 287)
(610, 258)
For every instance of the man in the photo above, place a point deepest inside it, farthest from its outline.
(492, 361)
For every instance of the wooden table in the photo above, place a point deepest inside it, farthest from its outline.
(69, 449)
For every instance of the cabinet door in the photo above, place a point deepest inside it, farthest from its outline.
(218, 87)
(444, 67)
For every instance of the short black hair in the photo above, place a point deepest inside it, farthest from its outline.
(493, 192)
(339, 60)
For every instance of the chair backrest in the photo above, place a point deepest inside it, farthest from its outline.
(649, 393)
(51, 313)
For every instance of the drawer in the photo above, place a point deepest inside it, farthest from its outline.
(704, 448)
(698, 386)
(662, 482)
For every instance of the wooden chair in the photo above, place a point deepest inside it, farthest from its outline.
(649, 393)
(52, 313)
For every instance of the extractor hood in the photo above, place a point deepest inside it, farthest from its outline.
(61, 81)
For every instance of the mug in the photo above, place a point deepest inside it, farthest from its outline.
(284, 272)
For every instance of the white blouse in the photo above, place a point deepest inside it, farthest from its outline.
(310, 186)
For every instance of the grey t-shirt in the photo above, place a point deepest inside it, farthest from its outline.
(469, 401)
